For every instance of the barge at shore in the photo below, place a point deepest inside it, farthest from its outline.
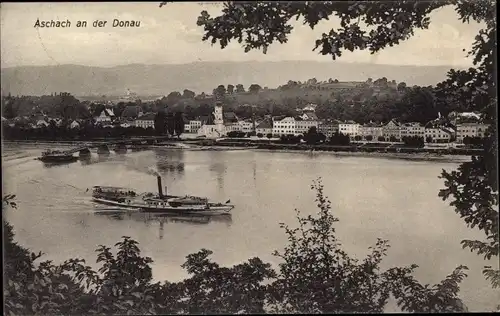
(57, 156)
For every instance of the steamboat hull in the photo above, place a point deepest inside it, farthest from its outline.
(58, 158)
(213, 208)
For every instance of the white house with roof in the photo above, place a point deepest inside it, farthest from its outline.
(126, 125)
(146, 120)
(311, 107)
(106, 116)
(74, 125)
(311, 116)
(392, 129)
(246, 126)
(265, 127)
(284, 126)
(42, 123)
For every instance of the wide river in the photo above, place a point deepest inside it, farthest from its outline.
(373, 197)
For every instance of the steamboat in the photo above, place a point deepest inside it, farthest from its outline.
(57, 156)
(158, 203)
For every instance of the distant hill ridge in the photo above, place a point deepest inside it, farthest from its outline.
(199, 76)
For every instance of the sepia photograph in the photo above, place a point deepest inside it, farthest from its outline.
(249, 157)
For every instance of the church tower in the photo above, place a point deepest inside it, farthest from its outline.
(219, 117)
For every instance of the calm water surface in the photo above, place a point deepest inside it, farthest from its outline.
(373, 197)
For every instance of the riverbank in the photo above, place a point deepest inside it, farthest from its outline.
(415, 154)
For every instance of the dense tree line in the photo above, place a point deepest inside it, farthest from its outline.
(361, 104)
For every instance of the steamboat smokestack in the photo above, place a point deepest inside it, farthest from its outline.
(160, 191)
(166, 191)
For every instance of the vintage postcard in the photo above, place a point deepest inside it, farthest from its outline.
(249, 157)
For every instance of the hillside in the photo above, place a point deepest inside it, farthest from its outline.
(200, 76)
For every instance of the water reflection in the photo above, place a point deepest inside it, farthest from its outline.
(165, 218)
(57, 164)
(218, 166)
(169, 161)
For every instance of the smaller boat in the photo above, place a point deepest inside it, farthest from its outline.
(57, 156)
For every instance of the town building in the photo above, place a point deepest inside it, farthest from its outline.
(74, 125)
(328, 128)
(57, 121)
(310, 116)
(41, 122)
(412, 129)
(372, 130)
(350, 128)
(193, 126)
(302, 126)
(126, 125)
(265, 127)
(246, 126)
(234, 127)
(439, 134)
(106, 116)
(470, 130)
(146, 120)
(284, 126)
(392, 129)
(464, 117)
(311, 107)
(215, 128)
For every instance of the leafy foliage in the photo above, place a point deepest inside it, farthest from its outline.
(313, 137)
(413, 141)
(316, 275)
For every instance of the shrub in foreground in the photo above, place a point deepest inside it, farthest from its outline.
(315, 276)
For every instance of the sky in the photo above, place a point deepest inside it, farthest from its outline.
(169, 35)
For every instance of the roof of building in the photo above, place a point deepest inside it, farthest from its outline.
(265, 124)
(230, 116)
(412, 124)
(147, 117)
(447, 130)
(394, 121)
(207, 120)
(311, 116)
(470, 114)
(278, 117)
(107, 112)
(371, 124)
(131, 111)
(329, 122)
(348, 122)
(472, 124)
